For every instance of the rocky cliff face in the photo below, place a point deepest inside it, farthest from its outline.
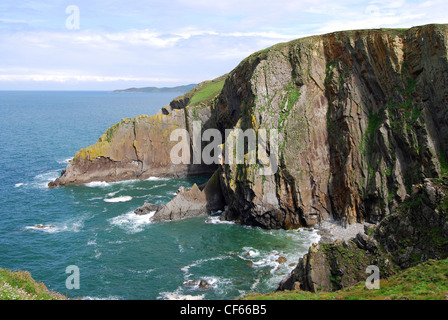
(140, 148)
(416, 231)
(362, 116)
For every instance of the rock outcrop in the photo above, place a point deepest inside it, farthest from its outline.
(140, 148)
(361, 116)
(187, 203)
(416, 231)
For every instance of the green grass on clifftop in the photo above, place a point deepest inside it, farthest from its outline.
(207, 92)
(19, 285)
(427, 281)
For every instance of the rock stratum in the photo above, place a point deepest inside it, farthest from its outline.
(361, 117)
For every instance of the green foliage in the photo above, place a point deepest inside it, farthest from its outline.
(290, 99)
(443, 163)
(207, 92)
(19, 285)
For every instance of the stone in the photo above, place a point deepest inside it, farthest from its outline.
(147, 208)
(192, 202)
(203, 284)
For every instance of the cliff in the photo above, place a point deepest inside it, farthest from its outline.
(361, 117)
(415, 232)
(140, 148)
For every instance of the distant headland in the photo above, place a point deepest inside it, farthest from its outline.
(180, 89)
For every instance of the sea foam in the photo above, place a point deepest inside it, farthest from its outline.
(131, 222)
(119, 199)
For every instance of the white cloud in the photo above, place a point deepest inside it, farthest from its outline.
(184, 40)
(61, 78)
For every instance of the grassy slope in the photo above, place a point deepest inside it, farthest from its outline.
(207, 92)
(427, 281)
(19, 285)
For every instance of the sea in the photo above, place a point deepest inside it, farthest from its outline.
(117, 254)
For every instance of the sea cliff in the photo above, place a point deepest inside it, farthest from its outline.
(362, 124)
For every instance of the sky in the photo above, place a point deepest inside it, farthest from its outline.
(107, 45)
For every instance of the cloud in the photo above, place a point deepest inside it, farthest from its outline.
(61, 78)
(155, 42)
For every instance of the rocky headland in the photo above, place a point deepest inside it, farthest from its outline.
(362, 119)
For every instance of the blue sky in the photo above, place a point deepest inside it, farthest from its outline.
(121, 44)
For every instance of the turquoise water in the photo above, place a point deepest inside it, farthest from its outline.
(119, 255)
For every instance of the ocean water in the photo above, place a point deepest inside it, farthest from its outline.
(119, 255)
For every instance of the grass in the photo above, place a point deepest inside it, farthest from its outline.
(207, 92)
(426, 281)
(19, 285)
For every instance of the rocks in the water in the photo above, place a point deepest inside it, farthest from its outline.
(147, 208)
(188, 203)
(281, 260)
(201, 284)
(42, 226)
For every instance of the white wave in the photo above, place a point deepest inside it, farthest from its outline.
(149, 271)
(68, 226)
(97, 298)
(216, 220)
(177, 295)
(97, 253)
(42, 180)
(95, 198)
(251, 252)
(186, 269)
(156, 179)
(18, 185)
(130, 222)
(111, 194)
(119, 199)
(255, 284)
(65, 161)
(94, 184)
(103, 184)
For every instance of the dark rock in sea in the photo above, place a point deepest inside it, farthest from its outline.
(204, 284)
(191, 283)
(147, 208)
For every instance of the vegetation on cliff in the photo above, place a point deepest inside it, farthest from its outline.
(426, 281)
(19, 285)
